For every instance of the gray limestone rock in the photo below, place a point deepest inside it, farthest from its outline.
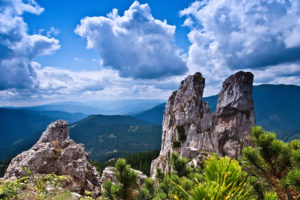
(56, 153)
(234, 116)
(190, 129)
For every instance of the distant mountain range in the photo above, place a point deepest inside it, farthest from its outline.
(105, 107)
(277, 109)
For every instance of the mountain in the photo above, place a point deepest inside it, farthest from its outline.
(111, 107)
(18, 124)
(153, 115)
(108, 136)
(277, 108)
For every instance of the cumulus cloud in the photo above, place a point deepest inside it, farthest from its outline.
(230, 35)
(136, 44)
(54, 84)
(17, 47)
(248, 33)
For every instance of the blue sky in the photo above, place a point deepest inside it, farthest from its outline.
(89, 50)
(65, 16)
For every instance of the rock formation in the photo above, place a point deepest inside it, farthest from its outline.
(190, 129)
(56, 152)
(234, 116)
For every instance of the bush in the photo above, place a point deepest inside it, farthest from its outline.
(181, 133)
(176, 144)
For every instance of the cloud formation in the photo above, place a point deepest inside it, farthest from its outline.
(135, 44)
(231, 35)
(17, 47)
(54, 84)
(248, 34)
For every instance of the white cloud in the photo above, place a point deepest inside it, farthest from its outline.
(17, 48)
(54, 84)
(231, 35)
(78, 59)
(135, 44)
(52, 32)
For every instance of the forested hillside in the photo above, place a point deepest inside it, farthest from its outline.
(106, 136)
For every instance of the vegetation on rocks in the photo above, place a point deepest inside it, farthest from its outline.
(140, 161)
(267, 170)
(35, 187)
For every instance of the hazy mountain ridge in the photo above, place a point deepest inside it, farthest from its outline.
(105, 107)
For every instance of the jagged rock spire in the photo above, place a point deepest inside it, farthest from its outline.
(234, 116)
(190, 129)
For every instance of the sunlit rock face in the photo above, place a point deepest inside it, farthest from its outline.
(190, 129)
(56, 153)
(234, 116)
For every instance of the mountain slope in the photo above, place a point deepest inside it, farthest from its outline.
(153, 115)
(18, 124)
(277, 108)
(108, 136)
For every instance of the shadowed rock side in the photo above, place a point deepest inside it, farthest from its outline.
(190, 129)
(56, 152)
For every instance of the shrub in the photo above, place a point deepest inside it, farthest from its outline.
(176, 144)
(181, 133)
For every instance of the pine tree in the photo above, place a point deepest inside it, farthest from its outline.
(273, 165)
(126, 184)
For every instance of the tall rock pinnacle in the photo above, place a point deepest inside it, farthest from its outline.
(191, 130)
(234, 116)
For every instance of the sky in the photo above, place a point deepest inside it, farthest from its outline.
(89, 50)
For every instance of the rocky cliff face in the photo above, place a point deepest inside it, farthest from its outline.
(234, 116)
(56, 152)
(190, 129)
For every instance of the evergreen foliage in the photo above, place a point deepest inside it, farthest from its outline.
(274, 166)
(181, 133)
(140, 161)
(176, 144)
(126, 182)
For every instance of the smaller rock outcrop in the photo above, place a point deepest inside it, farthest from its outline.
(108, 175)
(56, 153)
